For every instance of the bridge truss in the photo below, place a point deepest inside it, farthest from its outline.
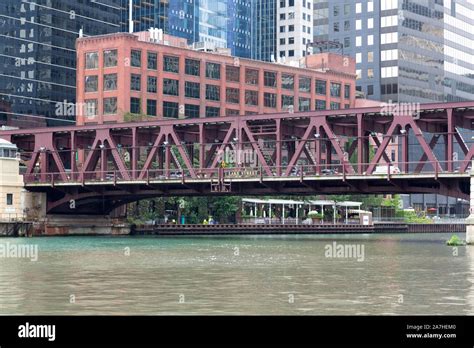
(367, 150)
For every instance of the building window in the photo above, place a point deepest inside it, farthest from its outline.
(291, 41)
(335, 106)
(232, 95)
(135, 106)
(110, 82)
(370, 57)
(282, 41)
(347, 9)
(347, 91)
(152, 84)
(192, 90)
(287, 101)
(9, 198)
(370, 90)
(304, 104)
(92, 83)
(110, 106)
(191, 111)
(170, 109)
(192, 67)
(370, 73)
(151, 107)
(92, 60)
(347, 42)
(212, 111)
(270, 100)
(370, 40)
(291, 53)
(232, 112)
(251, 77)
(136, 58)
(287, 81)
(335, 89)
(213, 71)
(170, 87)
(251, 98)
(320, 104)
(269, 79)
(347, 25)
(213, 92)
(171, 64)
(152, 61)
(305, 84)
(110, 58)
(282, 29)
(91, 107)
(321, 87)
(135, 84)
(232, 73)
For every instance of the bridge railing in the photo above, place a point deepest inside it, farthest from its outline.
(337, 170)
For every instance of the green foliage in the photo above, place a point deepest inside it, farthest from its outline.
(455, 241)
(412, 217)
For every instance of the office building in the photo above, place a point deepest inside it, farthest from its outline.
(165, 79)
(406, 51)
(207, 23)
(264, 30)
(294, 28)
(37, 56)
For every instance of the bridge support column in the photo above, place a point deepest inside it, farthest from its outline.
(470, 219)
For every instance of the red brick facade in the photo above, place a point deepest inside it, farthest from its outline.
(203, 84)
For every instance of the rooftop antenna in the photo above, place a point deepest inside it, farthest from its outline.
(130, 16)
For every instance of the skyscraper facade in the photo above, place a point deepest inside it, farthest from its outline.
(37, 56)
(294, 28)
(214, 23)
(264, 30)
(407, 51)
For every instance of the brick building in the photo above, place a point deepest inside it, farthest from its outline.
(129, 77)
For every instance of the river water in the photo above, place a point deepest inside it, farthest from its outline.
(291, 275)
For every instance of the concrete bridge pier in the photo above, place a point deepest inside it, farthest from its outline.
(470, 219)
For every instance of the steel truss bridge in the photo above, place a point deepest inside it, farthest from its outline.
(351, 151)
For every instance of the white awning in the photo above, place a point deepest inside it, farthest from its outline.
(271, 201)
(331, 203)
(283, 201)
(252, 200)
(349, 204)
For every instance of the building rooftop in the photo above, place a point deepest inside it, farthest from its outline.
(326, 62)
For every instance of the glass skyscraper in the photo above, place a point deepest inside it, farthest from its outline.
(218, 23)
(264, 25)
(417, 51)
(38, 57)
